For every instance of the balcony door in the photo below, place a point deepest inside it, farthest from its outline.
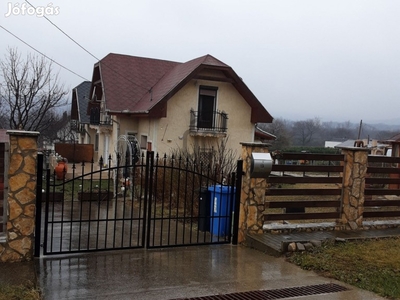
(207, 102)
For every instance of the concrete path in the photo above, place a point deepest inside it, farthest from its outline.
(176, 273)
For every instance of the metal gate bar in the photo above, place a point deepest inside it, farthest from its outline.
(158, 207)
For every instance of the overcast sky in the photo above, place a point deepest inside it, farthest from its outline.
(334, 60)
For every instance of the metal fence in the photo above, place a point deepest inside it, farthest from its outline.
(155, 202)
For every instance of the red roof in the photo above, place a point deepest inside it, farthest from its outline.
(142, 85)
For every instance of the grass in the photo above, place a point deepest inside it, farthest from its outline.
(373, 265)
(19, 292)
(71, 188)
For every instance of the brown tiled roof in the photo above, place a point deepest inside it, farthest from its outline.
(143, 85)
(126, 79)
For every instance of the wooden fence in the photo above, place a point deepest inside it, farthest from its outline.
(382, 187)
(308, 187)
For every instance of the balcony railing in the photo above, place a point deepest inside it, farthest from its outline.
(208, 121)
(95, 118)
(76, 126)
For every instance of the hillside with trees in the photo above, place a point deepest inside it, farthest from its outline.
(314, 133)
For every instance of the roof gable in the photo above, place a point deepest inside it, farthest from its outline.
(80, 100)
(126, 79)
(143, 85)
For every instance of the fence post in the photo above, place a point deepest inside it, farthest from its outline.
(354, 171)
(238, 185)
(252, 196)
(22, 178)
(39, 196)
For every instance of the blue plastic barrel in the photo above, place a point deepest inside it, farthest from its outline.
(221, 209)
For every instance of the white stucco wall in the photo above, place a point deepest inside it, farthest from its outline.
(172, 132)
(174, 129)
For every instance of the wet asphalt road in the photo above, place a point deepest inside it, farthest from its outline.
(172, 273)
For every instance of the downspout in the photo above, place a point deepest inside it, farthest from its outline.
(118, 130)
(118, 127)
(116, 171)
(88, 134)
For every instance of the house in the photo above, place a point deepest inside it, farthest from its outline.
(263, 136)
(393, 145)
(79, 116)
(374, 146)
(165, 105)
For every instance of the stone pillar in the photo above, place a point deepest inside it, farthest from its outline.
(252, 198)
(21, 197)
(354, 172)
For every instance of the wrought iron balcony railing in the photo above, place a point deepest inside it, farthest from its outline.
(76, 126)
(95, 118)
(208, 121)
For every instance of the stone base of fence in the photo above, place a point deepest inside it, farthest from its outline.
(279, 228)
(21, 197)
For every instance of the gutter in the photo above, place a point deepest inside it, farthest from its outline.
(263, 131)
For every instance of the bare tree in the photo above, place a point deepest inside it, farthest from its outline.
(306, 131)
(281, 129)
(60, 131)
(30, 92)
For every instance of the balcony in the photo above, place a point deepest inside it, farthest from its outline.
(208, 123)
(95, 118)
(76, 126)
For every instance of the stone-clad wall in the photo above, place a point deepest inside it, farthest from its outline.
(252, 199)
(354, 171)
(21, 197)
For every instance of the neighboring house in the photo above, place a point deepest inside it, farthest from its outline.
(263, 136)
(168, 105)
(80, 120)
(375, 147)
(393, 145)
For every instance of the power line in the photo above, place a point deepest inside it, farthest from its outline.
(87, 51)
(52, 60)
(44, 16)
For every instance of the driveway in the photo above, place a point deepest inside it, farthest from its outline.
(181, 272)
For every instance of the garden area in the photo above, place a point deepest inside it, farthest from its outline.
(372, 265)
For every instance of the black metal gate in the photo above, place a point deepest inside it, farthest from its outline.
(154, 202)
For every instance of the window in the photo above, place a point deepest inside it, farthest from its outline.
(206, 156)
(95, 116)
(207, 103)
(143, 141)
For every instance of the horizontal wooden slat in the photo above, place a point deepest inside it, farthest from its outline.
(285, 204)
(383, 159)
(381, 192)
(311, 156)
(380, 170)
(301, 216)
(382, 203)
(292, 180)
(306, 168)
(296, 192)
(381, 214)
(374, 180)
